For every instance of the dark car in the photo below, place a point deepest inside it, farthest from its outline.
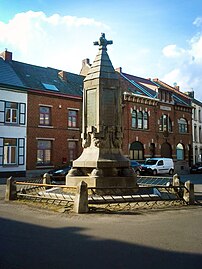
(196, 168)
(136, 166)
(59, 173)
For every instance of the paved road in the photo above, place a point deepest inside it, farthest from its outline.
(33, 238)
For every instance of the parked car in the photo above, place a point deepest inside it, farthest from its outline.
(156, 166)
(196, 168)
(136, 166)
(59, 173)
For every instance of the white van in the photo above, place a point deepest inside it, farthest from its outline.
(156, 166)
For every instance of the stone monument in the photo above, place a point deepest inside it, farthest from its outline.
(102, 163)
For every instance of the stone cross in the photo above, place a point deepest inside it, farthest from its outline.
(103, 42)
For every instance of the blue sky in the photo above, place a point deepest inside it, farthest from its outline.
(152, 38)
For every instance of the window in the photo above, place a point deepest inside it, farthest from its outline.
(200, 135)
(180, 151)
(196, 155)
(11, 112)
(45, 115)
(10, 151)
(182, 123)
(194, 113)
(44, 148)
(199, 115)
(195, 133)
(72, 149)
(139, 120)
(160, 163)
(145, 121)
(50, 87)
(72, 118)
(136, 151)
(165, 123)
(134, 119)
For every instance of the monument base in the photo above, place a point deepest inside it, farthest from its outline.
(126, 184)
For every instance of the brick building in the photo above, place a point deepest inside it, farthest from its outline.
(53, 103)
(157, 118)
(53, 130)
(157, 121)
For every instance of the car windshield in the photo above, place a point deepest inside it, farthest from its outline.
(151, 162)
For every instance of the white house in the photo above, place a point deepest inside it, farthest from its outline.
(13, 128)
(196, 128)
(197, 131)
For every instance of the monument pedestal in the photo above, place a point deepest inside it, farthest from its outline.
(102, 164)
(103, 182)
(110, 185)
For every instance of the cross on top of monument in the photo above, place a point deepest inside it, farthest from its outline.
(103, 42)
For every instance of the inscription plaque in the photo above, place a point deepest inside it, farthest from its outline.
(91, 105)
(109, 104)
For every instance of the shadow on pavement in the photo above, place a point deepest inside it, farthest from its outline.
(27, 246)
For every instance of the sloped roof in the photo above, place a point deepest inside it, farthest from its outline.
(8, 75)
(34, 77)
(37, 77)
(144, 86)
(178, 96)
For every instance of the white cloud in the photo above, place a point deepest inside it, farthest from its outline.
(196, 48)
(57, 41)
(185, 64)
(198, 21)
(173, 51)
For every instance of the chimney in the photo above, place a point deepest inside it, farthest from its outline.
(177, 87)
(85, 67)
(63, 75)
(86, 62)
(6, 55)
(190, 94)
(119, 69)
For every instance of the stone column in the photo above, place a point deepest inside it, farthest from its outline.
(81, 198)
(46, 179)
(11, 190)
(188, 194)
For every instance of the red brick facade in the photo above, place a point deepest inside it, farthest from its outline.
(58, 131)
(156, 142)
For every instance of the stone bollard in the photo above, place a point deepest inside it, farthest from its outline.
(188, 194)
(81, 198)
(176, 180)
(46, 179)
(177, 183)
(11, 190)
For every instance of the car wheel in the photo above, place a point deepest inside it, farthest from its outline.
(171, 172)
(154, 172)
